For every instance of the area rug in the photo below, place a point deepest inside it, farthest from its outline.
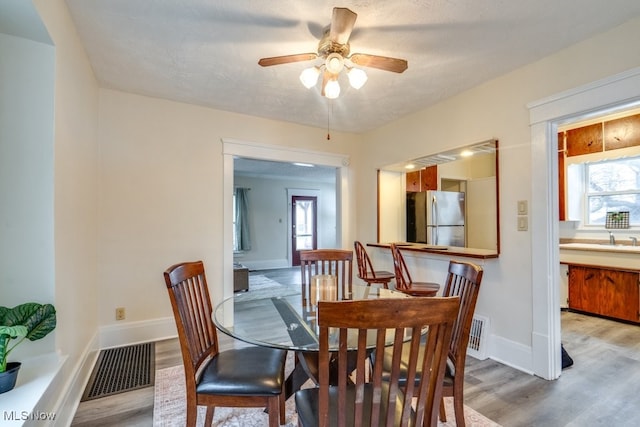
(169, 408)
(258, 282)
(263, 287)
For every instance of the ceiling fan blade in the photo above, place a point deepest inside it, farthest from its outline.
(342, 24)
(381, 62)
(277, 60)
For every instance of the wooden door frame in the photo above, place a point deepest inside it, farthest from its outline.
(298, 192)
(314, 245)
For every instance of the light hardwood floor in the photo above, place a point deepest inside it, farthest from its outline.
(602, 388)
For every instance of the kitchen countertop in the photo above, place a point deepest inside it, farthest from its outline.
(600, 247)
(600, 254)
(441, 250)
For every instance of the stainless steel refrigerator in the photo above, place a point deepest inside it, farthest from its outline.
(436, 218)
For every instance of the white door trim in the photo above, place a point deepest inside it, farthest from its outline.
(614, 93)
(254, 150)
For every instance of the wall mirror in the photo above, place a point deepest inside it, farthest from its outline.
(445, 199)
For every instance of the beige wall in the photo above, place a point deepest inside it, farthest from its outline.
(73, 163)
(497, 109)
(138, 181)
(161, 192)
(26, 179)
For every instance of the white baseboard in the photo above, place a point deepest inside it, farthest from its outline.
(519, 356)
(108, 336)
(65, 384)
(68, 401)
(137, 332)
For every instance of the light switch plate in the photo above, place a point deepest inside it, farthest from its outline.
(523, 223)
(522, 207)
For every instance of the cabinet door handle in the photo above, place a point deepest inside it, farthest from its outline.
(609, 279)
(588, 276)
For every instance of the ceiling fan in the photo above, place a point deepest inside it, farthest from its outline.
(334, 48)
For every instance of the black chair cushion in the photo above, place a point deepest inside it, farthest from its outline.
(244, 371)
(307, 405)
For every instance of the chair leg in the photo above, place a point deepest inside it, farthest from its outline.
(458, 401)
(281, 400)
(208, 420)
(443, 413)
(274, 413)
(192, 414)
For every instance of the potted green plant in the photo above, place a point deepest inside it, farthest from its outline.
(29, 320)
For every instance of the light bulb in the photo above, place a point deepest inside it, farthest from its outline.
(332, 89)
(357, 77)
(334, 63)
(309, 76)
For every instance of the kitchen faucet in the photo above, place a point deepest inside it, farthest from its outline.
(612, 239)
(634, 241)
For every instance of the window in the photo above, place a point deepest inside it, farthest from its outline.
(612, 186)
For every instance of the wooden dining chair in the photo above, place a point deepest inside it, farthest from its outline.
(463, 280)
(364, 398)
(404, 283)
(366, 271)
(241, 377)
(322, 262)
(328, 262)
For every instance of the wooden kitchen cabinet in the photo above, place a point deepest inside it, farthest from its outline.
(603, 291)
(423, 179)
(413, 181)
(622, 133)
(429, 178)
(584, 140)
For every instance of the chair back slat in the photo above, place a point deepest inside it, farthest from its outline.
(365, 267)
(370, 395)
(191, 304)
(333, 262)
(403, 278)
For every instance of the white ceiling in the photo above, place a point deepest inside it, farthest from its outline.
(206, 52)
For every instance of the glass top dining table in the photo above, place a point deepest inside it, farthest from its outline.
(286, 318)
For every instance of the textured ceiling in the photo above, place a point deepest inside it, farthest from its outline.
(205, 52)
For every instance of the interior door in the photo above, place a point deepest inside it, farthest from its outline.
(304, 229)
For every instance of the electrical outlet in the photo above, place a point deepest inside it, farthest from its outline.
(120, 315)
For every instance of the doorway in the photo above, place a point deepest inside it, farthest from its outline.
(613, 93)
(231, 149)
(304, 226)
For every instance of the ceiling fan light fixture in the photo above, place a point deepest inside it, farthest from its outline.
(357, 77)
(332, 89)
(334, 63)
(309, 77)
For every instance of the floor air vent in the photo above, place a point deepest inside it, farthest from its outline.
(478, 337)
(121, 369)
